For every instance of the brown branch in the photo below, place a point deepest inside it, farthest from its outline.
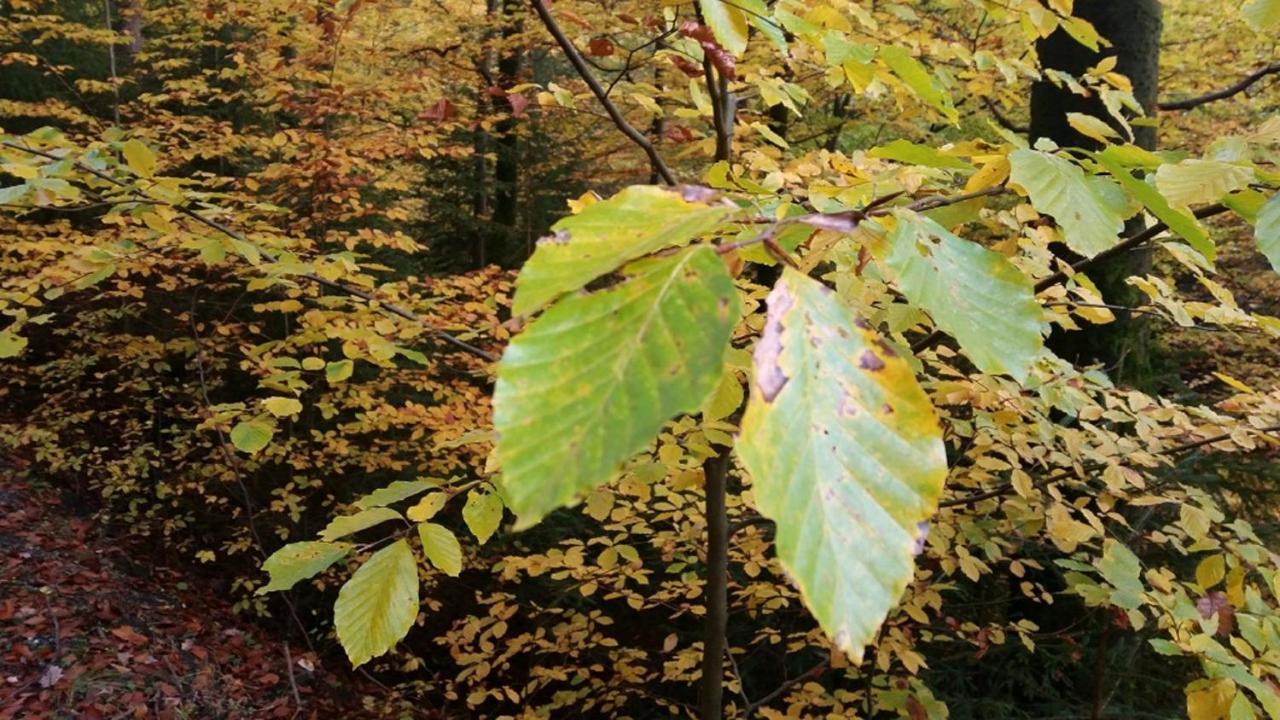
(716, 625)
(1122, 247)
(1245, 83)
(575, 59)
(812, 673)
(368, 297)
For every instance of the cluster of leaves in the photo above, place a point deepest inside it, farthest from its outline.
(915, 476)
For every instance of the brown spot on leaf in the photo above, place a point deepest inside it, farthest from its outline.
(886, 348)
(870, 361)
(769, 375)
(887, 409)
(559, 237)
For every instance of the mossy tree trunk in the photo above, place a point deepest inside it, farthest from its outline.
(1133, 28)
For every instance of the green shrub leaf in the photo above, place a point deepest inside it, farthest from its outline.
(299, 561)
(592, 381)
(441, 547)
(607, 234)
(378, 605)
(1267, 231)
(482, 513)
(974, 294)
(1082, 207)
(350, 524)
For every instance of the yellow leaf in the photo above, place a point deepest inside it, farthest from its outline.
(139, 158)
(1211, 571)
(1234, 383)
(1092, 127)
(282, 406)
(1211, 700)
(427, 507)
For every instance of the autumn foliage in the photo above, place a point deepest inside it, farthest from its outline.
(658, 359)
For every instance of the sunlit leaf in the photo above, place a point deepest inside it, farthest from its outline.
(482, 513)
(591, 381)
(1267, 231)
(1121, 568)
(1180, 222)
(252, 435)
(299, 561)
(393, 493)
(377, 606)
(139, 158)
(972, 293)
(441, 547)
(728, 23)
(11, 344)
(1261, 14)
(282, 406)
(345, 525)
(920, 81)
(845, 455)
(1195, 181)
(1090, 222)
(607, 234)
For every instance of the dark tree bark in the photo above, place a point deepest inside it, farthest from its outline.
(1133, 28)
(506, 169)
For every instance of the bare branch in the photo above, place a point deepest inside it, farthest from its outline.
(1224, 93)
(575, 59)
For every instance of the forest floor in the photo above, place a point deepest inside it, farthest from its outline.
(90, 630)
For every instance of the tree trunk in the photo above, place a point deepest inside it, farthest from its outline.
(506, 169)
(1133, 27)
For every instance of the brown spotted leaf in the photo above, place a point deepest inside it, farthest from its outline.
(607, 234)
(845, 455)
(593, 379)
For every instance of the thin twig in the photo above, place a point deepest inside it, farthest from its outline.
(575, 59)
(1121, 248)
(1224, 93)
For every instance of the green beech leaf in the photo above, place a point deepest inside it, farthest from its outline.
(845, 455)
(905, 151)
(974, 294)
(345, 525)
(441, 547)
(299, 561)
(11, 344)
(1120, 567)
(1182, 223)
(607, 234)
(1195, 182)
(338, 371)
(1261, 14)
(393, 493)
(252, 435)
(728, 23)
(1267, 231)
(919, 80)
(593, 380)
(378, 605)
(482, 513)
(282, 406)
(1088, 217)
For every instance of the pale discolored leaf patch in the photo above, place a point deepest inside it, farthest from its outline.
(845, 455)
